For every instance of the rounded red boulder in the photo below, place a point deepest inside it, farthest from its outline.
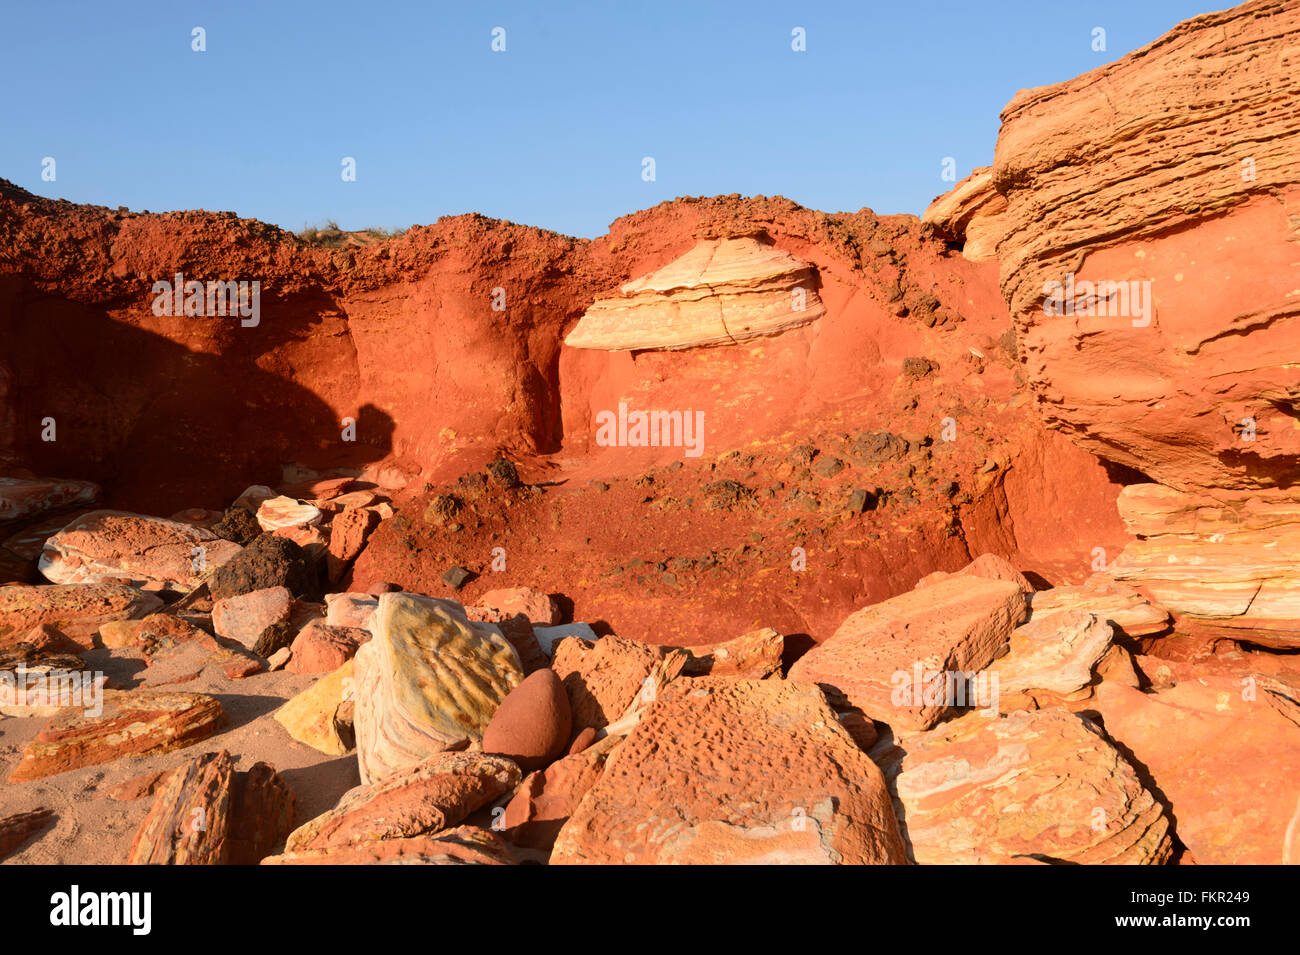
(533, 723)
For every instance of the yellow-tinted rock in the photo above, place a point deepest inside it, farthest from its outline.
(309, 716)
(429, 681)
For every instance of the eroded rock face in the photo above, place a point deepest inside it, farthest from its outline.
(722, 291)
(971, 214)
(1040, 786)
(1176, 166)
(1224, 557)
(420, 800)
(135, 723)
(78, 610)
(882, 658)
(724, 770)
(1225, 751)
(113, 546)
(428, 681)
(1051, 659)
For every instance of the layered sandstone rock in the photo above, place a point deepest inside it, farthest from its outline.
(205, 813)
(722, 291)
(972, 214)
(135, 723)
(1177, 166)
(243, 618)
(1051, 660)
(113, 546)
(1224, 557)
(428, 681)
(1225, 751)
(78, 610)
(909, 661)
(543, 804)
(26, 498)
(1041, 786)
(724, 770)
(1121, 606)
(419, 800)
(464, 845)
(189, 821)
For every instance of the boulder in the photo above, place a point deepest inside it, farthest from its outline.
(23, 498)
(533, 724)
(428, 681)
(419, 800)
(117, 547)
(1225, 751)
(136, 723)
(754, 655)
(602, 678)
(543, 804)
(189, 821)
(276, 513)
(244, 617)
(1127, 611)
(351, 610)
(725, 770)
(910, 660)
(498, 605)
(1040, 786)
(1051, 660)
(312, 717)
(348, 534)
(269, 561)
(464, 845)
(319, 648)
(78, 610)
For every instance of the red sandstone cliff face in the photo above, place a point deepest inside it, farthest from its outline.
(403, 337)
(1164, 189)
(1175, 166)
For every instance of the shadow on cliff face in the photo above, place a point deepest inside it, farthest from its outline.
(159, 425)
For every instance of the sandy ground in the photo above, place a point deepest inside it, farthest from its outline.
(93, 828)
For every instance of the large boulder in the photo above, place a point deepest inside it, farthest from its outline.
(725, 770)
(1225, 751)
(135, 723)
(78, 610)
(1034, 786)
(114, 546)
(911, 660)
(269, 561)
(428, 681)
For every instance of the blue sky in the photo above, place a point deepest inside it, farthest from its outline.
(552, 132)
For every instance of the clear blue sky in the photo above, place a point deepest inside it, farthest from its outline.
(551, 132)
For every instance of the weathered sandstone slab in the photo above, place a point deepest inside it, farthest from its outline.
(720, 292)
